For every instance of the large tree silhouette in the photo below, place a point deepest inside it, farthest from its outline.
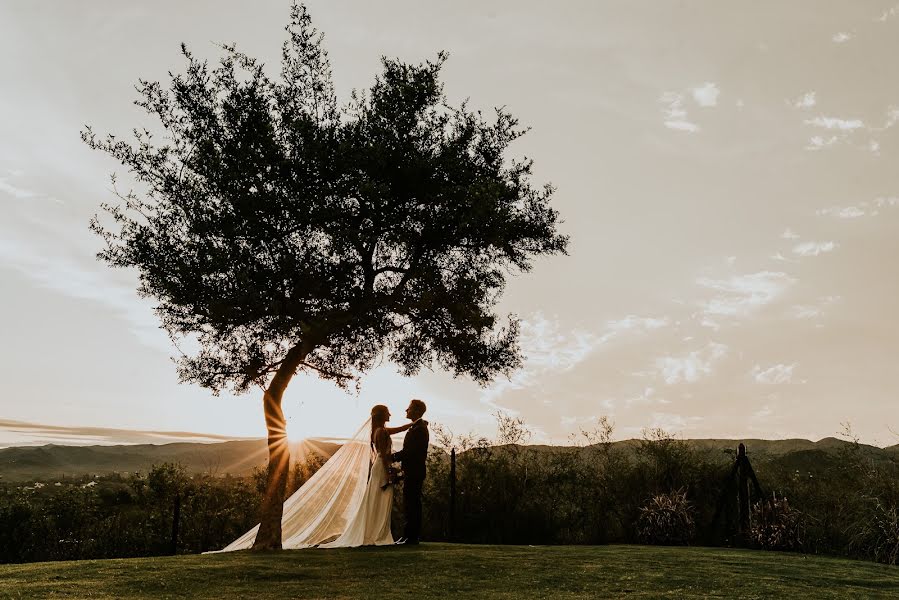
(280, 233)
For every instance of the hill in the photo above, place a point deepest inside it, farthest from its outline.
(30, 463)
(55, 461)
(463, 571)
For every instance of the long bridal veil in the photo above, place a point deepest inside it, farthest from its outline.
(321, 509)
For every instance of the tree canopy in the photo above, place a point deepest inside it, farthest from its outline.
(284, 231)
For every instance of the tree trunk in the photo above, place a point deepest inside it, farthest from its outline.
(269, 535)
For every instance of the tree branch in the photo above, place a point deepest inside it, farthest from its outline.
(327, 372)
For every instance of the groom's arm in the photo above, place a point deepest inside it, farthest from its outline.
(416, 441)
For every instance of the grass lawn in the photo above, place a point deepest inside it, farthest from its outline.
(460, 571)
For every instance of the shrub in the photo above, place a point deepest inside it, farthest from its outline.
(667, 519)
(775, 526)
(878, 534)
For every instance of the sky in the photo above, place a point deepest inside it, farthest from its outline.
(726, 172)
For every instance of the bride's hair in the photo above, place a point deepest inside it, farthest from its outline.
(379, 414)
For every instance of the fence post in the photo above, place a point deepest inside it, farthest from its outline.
(176, 517)
(743, 492)
(452, 500)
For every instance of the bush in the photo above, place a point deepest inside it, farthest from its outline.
(666, 520)
(878, 535)
(775, 526)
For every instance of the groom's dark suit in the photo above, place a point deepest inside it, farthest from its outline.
(413, 457)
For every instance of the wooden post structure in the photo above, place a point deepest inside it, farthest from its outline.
(743, 493)
(176, 517)
(452, 499)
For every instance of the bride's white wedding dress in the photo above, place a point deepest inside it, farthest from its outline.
(371, 524)
(341, 505)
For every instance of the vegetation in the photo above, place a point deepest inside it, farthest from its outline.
(661, 490)
(463, 571)
(279, 232)
(658, 490)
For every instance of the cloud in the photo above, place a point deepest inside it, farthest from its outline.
(874, 146)
(842, 128)
(847, 212)
(742, 294)
(776, 375)
(706, 95)
(675, 114)
(672, 422)
(889, 14)
(16, 192)
(781, 258)
(633, 322)
(64, 275)
(647, 396)
(548, 349)
(818, 142)
(807, 100)
(35, 433)
(693, 366)
(892, 117)
(836, 123)
(814, 248)
(841, 37)
(811, 311)
(788, 234)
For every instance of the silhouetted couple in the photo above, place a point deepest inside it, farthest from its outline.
(349, 500)
(370, 526)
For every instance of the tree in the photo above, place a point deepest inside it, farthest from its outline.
(280, 232)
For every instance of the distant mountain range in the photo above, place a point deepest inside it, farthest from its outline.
(25, 463)
(29, 463)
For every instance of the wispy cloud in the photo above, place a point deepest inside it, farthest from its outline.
(842, 128)
(675, 114)
(706, 95)
(633, 322)
(64, 275)
(817, 142)
(741, 294)
(776, 375)
(836, 123)
(889, 14)
(645, 397)
(841, 37)
(693, 366)
(844, 212)
(861, 209)
(15, 191)
(781, 258)
(814, 248)
(673, 422)
(807, 100)
(812, 311)
(789, 234)
(36, 433)
(549, 349)
(892, 117)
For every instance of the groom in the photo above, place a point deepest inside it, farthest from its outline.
(412, 457)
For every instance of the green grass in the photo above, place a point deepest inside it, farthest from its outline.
(460, 571)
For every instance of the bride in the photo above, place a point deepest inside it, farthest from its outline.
(371, 524)
(348, 501)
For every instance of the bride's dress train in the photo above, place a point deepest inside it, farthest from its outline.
(371, 524)
(341, 505)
